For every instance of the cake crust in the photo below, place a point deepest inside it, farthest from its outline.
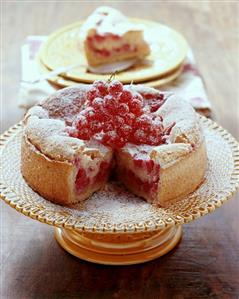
(51, 178)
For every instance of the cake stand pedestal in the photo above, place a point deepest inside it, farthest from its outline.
(119, 249)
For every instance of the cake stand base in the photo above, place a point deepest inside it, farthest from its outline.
(119, 249)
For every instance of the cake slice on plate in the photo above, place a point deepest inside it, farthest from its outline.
(110, 37)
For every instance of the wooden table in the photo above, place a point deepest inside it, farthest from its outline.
(205, 264)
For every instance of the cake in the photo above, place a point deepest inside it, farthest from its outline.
(151, 142)
(109, 37)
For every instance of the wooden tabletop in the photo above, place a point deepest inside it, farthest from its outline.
(206, 262)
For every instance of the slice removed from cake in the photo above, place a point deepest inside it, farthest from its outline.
(110, 37)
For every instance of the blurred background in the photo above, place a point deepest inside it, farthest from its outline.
(205, 264)
(211, 28)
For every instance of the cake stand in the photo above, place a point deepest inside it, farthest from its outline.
(115, 227)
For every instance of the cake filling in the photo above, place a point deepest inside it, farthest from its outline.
(85, 180)
(138, 171)
(109, 44)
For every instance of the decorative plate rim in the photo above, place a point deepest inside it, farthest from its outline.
(61, 81)
(58, 219)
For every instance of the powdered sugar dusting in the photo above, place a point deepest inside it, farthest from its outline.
(108, 20)
(66, 103)
(114, 202)
(187, 127)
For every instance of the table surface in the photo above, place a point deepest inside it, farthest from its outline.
(206, 263)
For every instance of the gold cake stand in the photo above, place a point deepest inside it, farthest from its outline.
(113, 226)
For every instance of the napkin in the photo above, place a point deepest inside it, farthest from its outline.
(189, 84)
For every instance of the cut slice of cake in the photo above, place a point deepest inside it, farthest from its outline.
(110, 37)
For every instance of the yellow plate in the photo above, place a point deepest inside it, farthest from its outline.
(61, 81)
(168, 51)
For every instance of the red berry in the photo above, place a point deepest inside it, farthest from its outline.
(103, 171)
(149, 165)
(109, 103)
(125, 132)
(89, 113)
(119, 142)
(80, 121)
(129, 119)
(115, 88)
(140, 137)
(101, 86)
(92, 94)
(84, 134)
(119, 121)
(95, 126)
(81, 180)
(138, 162)
(97, 103)
(144, 121)
(125, 96)
(136, 107)
(108, 137)
(123, 109)
(108, 126)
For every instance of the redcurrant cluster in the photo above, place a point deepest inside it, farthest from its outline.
(115, 115)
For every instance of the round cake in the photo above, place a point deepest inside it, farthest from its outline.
(81, 137)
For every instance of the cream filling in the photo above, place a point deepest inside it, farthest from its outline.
(92, 164)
